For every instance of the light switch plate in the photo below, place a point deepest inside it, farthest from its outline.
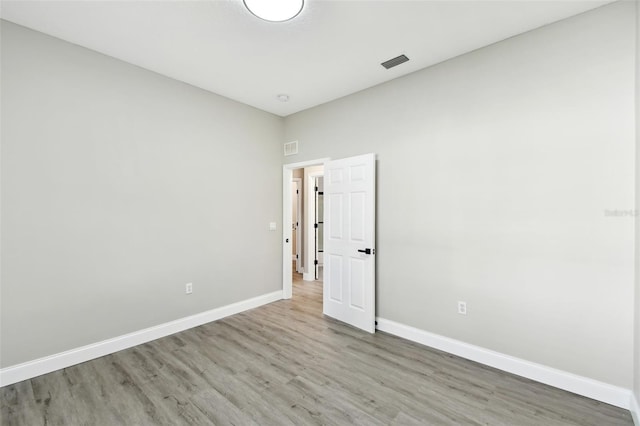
(272, 226)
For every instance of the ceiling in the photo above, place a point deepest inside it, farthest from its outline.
(332, 49)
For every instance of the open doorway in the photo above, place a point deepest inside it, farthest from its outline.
(304, 224)
(348, 227)
(308, 215)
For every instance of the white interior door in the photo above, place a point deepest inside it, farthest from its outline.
(296, 223)
(349, 241)
(319, 227)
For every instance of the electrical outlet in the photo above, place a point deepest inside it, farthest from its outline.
(462, 308)
(188, 289)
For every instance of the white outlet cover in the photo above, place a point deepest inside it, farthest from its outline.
(272, 226)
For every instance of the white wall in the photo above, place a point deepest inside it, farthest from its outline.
(494, 173)
(116, 192)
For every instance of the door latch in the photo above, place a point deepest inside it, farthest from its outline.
(366, 251)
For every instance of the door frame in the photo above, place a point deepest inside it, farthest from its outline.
(287, 210)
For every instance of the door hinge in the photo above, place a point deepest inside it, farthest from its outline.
(315, 225)
(297, 192)
(316, 189)
(315, 262)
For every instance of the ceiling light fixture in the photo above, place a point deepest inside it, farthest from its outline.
(274, 10)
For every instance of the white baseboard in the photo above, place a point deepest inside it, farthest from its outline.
(635, 409)
(48, 364)
(604, 392)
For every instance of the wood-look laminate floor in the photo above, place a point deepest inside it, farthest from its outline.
(286, 364)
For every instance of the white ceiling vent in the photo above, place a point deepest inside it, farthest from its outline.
(290, 148)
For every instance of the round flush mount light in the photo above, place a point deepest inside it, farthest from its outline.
(274, 10)
(283, 98)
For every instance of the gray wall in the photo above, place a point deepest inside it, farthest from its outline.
(117, 191)
(494, 173)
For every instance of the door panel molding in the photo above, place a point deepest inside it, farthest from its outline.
(349, 282)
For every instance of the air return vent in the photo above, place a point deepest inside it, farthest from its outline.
(395, 61)
(290, 148)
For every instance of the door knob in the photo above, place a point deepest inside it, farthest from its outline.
(365, 251)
